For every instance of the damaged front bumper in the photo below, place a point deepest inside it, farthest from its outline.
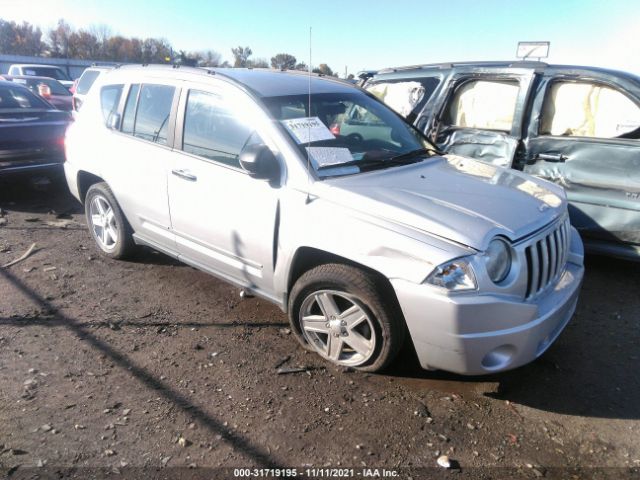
(477, 334)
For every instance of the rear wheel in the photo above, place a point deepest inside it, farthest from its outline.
(109, 228)
(340, 313)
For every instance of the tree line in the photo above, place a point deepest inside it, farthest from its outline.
(100, 44)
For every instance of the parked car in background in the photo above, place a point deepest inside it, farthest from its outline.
(576, 126)
(362, 235)
(35, 70)
(48, 88)
(84, 83)
(31, 132)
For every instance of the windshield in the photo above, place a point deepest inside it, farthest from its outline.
(51, 72)
(346, 133)
(14, 97)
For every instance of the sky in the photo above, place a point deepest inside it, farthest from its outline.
(365, 34)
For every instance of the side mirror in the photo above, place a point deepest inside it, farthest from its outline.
(113, 122)
(260, 162)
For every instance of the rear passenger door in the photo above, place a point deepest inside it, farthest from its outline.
(140, 151)
(585, 135)
(480, 113)
(223, 219)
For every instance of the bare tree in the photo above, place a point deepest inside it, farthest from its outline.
(324, 69)
(241, 55)
(59, 39)
(283, 61)
(20, 39)
(209, 58)
(258, 63)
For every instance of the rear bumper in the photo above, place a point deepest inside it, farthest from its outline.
(31, 167)
(460, 333)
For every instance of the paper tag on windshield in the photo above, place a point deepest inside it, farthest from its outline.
(308, 130)
(329, 156)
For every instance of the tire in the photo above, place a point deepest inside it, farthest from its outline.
(107, 224)
(341, 313)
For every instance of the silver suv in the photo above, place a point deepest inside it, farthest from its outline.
(314, 195)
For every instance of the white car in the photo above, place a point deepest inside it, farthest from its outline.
(37, 70)
(363, 238)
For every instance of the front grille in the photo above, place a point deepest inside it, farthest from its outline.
(546, 258)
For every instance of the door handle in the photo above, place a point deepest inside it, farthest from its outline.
(551, 157)
(184, 174)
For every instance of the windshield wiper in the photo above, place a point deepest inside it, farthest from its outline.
(373, 163)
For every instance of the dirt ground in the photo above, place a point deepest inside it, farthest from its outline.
(151, 369)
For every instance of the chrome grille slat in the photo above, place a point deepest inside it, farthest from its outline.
(546, 257)
(551, 240)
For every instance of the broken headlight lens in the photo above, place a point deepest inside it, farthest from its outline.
(497, 259)
(455, 275)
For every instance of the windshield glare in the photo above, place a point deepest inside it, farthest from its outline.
(344, 128)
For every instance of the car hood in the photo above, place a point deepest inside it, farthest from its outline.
(453, 197)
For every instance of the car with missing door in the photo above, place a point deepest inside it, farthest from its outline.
(577, 126)
(365, 237)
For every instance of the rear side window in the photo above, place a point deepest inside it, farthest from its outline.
(86, 80)
(152, 113)
(213, 131)
(582, 109)
(109, 100)
(486, 105)
(407, 97)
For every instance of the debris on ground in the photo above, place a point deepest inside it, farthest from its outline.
(26, 254)
(183, 442)
(282, 361)
(444, 462)
(285, 371)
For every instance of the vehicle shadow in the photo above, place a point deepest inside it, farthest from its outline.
(257, 454)
(26, 195)
(592, 368)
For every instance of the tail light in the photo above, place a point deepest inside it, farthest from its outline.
(73, 87)
(335, 128)
(44, 91)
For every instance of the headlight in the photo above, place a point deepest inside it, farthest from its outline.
(497, 259)
(454, 275)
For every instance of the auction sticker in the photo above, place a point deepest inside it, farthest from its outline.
(329, 156)
(308, 129)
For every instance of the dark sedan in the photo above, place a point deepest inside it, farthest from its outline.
(31, 132)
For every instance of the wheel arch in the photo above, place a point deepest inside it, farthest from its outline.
(85, 180)
(306, 258)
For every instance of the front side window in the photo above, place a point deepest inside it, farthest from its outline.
(109, 100)
(346, 133)
(149, 118)
(213, 131)
(482, 104)
(407, 97)
(582, 109)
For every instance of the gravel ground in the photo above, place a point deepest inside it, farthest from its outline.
(151, 369)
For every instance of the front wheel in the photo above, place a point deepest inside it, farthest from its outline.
(108, 225)
(342, 314)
